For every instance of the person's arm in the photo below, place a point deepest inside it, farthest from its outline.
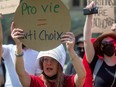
(88, 46)
(79, 78)
(23, 75)
(1, 38)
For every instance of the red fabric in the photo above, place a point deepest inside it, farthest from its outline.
(89, 75)
(38, 82)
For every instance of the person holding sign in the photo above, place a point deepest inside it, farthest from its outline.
(8, 75)
(50, 63)
(101, 55)
(7, 69)
(79, 48)
(113, 28)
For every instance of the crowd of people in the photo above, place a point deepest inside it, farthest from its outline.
(92, 60)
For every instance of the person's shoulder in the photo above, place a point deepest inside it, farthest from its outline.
(36, 81)
(69, 80)
(68, 76)
(37, 78)
(8, 49)
(8, 46)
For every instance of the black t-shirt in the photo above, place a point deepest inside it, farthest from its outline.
(105, 75)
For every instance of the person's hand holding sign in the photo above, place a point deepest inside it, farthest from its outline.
(17, 34)
(69, 39)
(43, 22)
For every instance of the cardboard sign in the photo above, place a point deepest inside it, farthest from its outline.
(8, 6)
(43, 22)
(105, 18)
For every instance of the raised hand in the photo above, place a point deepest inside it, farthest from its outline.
(16, 34)
(69, 39)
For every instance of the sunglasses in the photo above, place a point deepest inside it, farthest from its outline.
(112, 42)
(80, 48)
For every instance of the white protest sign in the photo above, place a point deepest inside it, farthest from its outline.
(105, 18)
(8, 6)
(43, 22)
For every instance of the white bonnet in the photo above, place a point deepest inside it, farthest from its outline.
(57, 53)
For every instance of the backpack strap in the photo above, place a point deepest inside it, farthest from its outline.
(4, 72)
(97, 67)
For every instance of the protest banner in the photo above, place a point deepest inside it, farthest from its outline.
(43, 22)
(8, 6)
(105, 18)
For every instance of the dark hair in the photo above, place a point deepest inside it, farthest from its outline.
(78, 39)
(97, 43)
(23, 46)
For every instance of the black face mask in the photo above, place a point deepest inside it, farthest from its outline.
(80, 51)
(108, 50)
(50, 78)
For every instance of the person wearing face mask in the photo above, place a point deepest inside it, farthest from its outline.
(108, 47)
(79, 48)
(79, 45)
(101, 55)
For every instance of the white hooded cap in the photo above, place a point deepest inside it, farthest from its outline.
(57, 53)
